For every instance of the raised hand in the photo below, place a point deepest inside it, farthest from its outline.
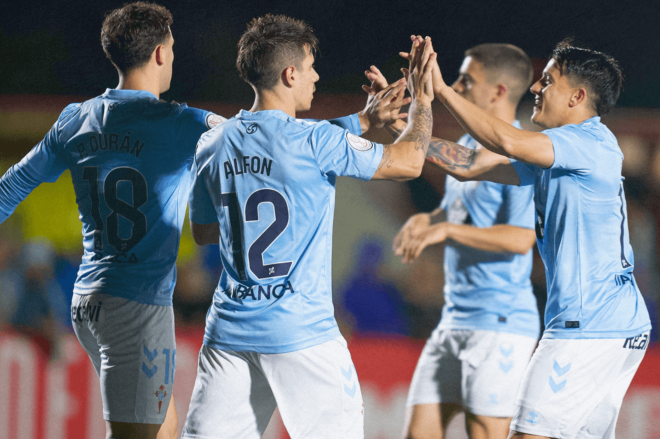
(383, 106)
(438, 82)
(420, 70)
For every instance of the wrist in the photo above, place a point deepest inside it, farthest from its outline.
(365, 123)
(442, 92)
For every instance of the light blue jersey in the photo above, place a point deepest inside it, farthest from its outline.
(130, 157)
(485, 290)
(269, 180)
(582, 234)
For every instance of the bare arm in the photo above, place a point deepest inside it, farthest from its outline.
(493, 133)
(469, 164)
(501, 238)
(205, 234)
(404, 158)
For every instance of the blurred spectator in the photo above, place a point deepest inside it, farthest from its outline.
(371, 303)
(42, 308)
(10, 276)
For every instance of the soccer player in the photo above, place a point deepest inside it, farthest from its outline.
(264, 188)
(596, 321)
(476, 357)
(130, 155)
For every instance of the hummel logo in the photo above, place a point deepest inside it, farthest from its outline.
(532, 417)
(560, 371)
(271, 270)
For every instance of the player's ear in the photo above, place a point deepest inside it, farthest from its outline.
(500, 92)
(289, 76)
(159, 55)
(578, 97)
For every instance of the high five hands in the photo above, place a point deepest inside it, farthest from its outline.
(438, 82)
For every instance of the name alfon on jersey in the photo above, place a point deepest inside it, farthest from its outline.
(247, 165)
(110, 142)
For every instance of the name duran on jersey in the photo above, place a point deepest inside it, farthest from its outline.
(486, 290)
(268, 180)
(583, 236)
(110, 142)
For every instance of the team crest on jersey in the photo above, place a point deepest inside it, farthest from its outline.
(213, 120)
(358, 143)
(161, 394)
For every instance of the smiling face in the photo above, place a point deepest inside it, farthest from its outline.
(306, 86)
(553, 94)
(473, 85)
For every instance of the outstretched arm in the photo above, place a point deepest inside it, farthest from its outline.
(404, 158)
(468, 164)
(493, 133)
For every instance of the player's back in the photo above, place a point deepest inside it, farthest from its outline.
(270, 179)
(130, 156)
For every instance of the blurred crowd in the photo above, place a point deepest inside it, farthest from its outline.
(36, 281)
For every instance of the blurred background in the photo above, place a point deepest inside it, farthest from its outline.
(50, 56)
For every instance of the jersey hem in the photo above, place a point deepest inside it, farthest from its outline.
(523, 333)
(279, 349)
(569, 334)
(137, 299)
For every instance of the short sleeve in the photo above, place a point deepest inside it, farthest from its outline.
(518, 206)
(192, 123)
(338, 152)
(572, 147)
(526, 173)
(350, 123)
(202, 209)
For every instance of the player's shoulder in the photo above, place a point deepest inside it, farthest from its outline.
(200, 116)
(210, 140)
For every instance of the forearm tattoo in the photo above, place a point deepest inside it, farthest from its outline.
(450, 155)
(386, 161)
(421, 129)
(393, 130)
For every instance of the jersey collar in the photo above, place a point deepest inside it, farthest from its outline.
(128, 94)
(279, 114)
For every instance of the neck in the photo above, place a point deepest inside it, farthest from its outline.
(138, 80)
(273, 99)
(507, 113)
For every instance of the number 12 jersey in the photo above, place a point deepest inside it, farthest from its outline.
(268, 179)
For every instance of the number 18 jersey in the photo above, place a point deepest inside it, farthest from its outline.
(268, 179)
(130, 157)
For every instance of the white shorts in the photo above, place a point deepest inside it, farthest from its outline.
(573, 388)
(479, 370)
(133, 350)
(316, 390)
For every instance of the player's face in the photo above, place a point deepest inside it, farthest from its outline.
(168, 58)
(307, 85)
(473, 85)
(552, 95)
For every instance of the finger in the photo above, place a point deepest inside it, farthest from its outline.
(404, 55)
(368, 89)
(402, 115)
(406, 74)
(426, 53)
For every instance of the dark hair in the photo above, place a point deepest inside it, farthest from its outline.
(505, 63)
(269, 45)
(597, 71)
(130, 34)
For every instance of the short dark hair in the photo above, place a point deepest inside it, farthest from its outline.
(597, 71)
(269, 45)
(506, 63)
(130, 34)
